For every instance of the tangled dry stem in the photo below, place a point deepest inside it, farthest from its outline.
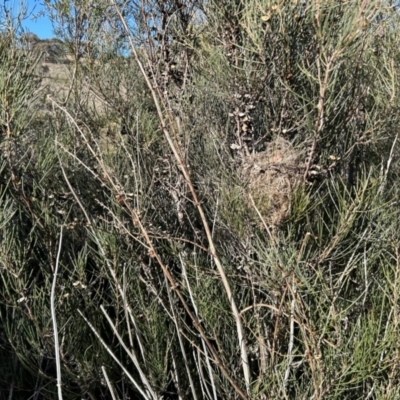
(271, 177)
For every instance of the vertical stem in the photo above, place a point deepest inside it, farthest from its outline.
(53, 317)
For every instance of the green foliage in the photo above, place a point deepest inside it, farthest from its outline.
(139, 294)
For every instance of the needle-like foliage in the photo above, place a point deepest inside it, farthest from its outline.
(225, 175)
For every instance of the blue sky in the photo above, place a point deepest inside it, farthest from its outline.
(41, 26)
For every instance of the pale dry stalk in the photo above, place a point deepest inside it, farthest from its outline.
(54, 319)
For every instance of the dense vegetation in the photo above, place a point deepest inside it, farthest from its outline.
(208, 209)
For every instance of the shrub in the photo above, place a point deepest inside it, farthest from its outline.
(224, 210)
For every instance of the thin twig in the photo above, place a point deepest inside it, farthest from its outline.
(178, 332)
(53, 317)
(131, 355)
(210, 374)
(113, 356)
(291, 340)
(110, 388)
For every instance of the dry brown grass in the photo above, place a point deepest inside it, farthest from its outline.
(271, 177)
(58, 81)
